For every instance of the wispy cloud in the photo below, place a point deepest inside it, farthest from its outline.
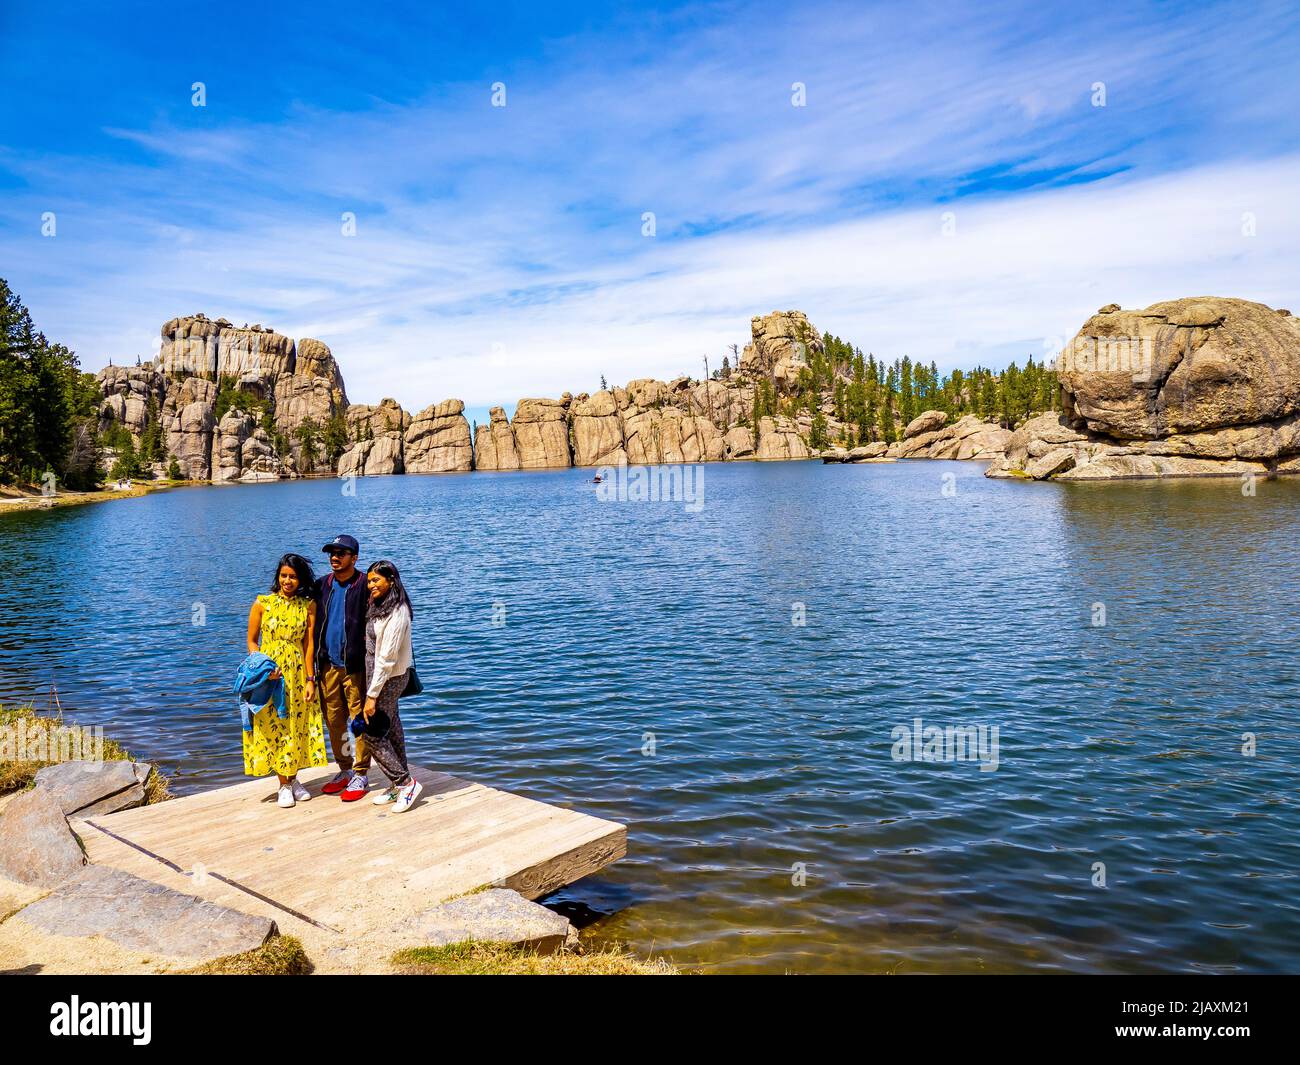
(499, 251)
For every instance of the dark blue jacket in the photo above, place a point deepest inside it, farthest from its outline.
(354, 623)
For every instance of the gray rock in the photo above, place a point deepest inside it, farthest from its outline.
(144, 916)
(36, 845)
(90, 788)
(497, 915)
(1056, 461)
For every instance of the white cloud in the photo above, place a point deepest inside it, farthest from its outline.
(498, 251)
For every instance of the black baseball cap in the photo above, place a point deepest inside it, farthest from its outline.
(343, 543)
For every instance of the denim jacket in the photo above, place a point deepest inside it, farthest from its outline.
(255, 688)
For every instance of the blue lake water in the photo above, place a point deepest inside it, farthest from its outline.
(638, 660)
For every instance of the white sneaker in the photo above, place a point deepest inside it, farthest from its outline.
(286, 800)
(383, 798)
(299, 792)
(406, 796)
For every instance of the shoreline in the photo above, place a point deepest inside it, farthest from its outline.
(25, 501)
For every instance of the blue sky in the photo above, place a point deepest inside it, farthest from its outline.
(949, 190)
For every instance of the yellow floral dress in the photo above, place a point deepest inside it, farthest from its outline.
(276, 744)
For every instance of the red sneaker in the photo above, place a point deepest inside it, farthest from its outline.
(337, 783)
(356, 788)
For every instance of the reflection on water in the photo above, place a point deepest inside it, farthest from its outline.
(647, 670)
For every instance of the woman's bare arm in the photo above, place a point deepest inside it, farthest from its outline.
(254, 626)
(309, 652)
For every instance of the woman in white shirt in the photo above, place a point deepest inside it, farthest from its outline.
(388, 664)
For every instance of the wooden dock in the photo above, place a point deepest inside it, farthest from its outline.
(329, 871)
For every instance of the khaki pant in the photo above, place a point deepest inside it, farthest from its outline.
(342, 695)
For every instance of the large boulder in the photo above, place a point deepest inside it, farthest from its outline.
(377, 435)
(372, 458)
(187, 416)
(928, 422)
(1188, 388)
(259, 461)
(690, 438)
(438, 441)
(966, 438)
(739, 442)
(232, 431)
(1184, 366)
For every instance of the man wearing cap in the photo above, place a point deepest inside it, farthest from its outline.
(341, 662)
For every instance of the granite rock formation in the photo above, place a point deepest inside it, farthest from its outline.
(437, 440)
(233, 401)
(780, 345)
(1187, 388)
(377, 435)
(284, 384)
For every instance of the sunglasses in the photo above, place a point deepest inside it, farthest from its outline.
(335, 552)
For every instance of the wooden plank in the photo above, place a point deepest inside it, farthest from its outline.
(353, 865)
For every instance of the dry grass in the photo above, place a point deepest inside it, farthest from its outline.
(282, 956)
(15, 776)
(499, 959)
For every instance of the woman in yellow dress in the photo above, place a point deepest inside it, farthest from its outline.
(282, 625)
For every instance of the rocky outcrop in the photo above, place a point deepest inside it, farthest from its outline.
(290, 384)
(1188, 388)
(377, 435)
(780, 346)
(437, 440)
(779, 439)
(195, 346)
(494, 443)
(1049, 447)
(739, 443)
(928, 437)
(541, 430)
(188, 416)
(597, 431)
(270, 392)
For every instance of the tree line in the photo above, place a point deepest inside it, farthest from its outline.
(876, 400)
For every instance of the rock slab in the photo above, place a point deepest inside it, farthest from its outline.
(93, 788)
(36, 845)
(144, 916)
(497, 915)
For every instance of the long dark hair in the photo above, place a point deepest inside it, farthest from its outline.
(301, 567)
(396, 593)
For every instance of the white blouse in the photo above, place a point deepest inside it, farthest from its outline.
(392, 649)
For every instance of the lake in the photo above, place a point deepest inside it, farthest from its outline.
(732, 678)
